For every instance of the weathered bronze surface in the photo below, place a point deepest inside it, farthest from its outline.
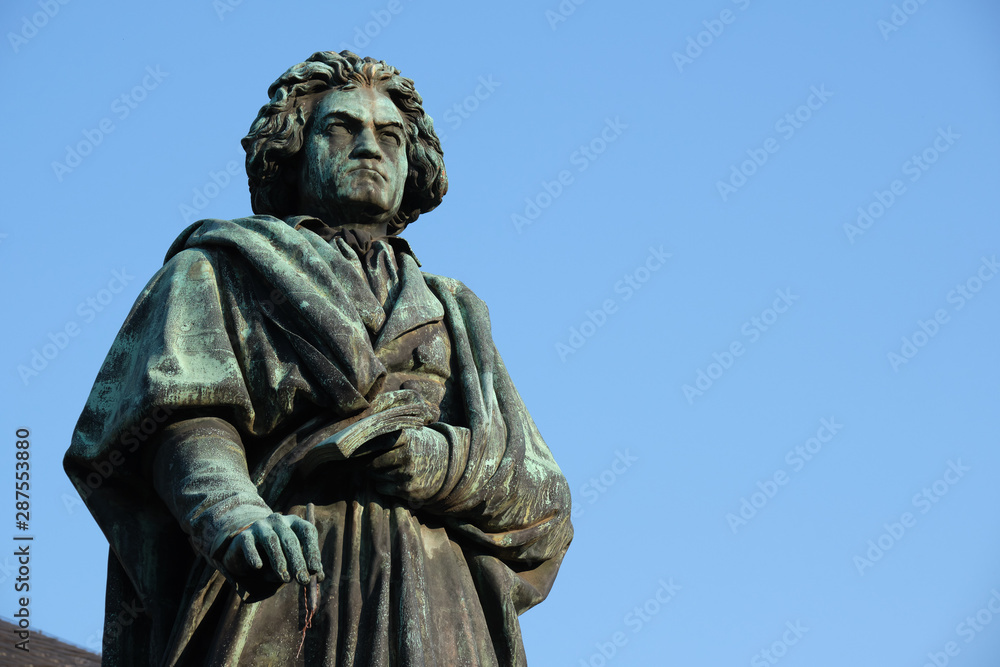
(301, 448)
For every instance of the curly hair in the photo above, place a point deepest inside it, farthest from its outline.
(278, 133)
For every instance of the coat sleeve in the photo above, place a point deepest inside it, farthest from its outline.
(508, 498)
(171, 357)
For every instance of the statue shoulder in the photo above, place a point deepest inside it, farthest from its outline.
(454, 287)
(461, 302)
(254, 224)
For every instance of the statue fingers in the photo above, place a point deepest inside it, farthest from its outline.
(309, 541)
(391, 460)
(269, 540)
(408, 490)
(242, 556)
(292, 549)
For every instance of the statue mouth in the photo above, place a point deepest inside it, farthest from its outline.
(371, 170)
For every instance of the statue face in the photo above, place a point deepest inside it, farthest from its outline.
(353, 165)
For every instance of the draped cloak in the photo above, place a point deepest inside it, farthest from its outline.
(287, 338)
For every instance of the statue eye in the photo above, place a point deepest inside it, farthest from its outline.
(393, 137)
(337, 126)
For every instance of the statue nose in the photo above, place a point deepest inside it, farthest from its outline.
(367, 146)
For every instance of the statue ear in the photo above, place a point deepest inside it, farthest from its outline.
(288, 173)
(290, 168)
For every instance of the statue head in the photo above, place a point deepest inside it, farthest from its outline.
(282, 157)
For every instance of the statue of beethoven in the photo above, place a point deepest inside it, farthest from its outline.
(317, 456)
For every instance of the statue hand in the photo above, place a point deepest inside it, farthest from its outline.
(415, 468)
(272, 546)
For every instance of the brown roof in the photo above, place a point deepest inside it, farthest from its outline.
(45, 651)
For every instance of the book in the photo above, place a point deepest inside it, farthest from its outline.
(391, 411)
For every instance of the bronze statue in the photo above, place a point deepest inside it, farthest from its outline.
(301, 448)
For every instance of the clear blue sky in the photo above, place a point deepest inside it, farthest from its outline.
(649, 196)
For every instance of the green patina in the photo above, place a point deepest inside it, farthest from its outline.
(337, 461)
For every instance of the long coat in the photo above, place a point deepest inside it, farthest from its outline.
(287, 337)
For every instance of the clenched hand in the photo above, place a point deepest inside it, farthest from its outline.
(274, 547)
(415, 468)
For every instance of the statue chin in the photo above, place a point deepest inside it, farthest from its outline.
(370, 215)
(355, 215)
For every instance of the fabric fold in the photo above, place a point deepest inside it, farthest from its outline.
(286, 337)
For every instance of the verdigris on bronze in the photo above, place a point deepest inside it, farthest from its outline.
(313, 452)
